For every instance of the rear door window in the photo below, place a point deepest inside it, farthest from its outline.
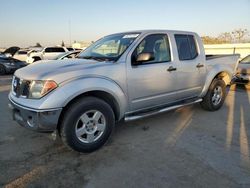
(186, 46)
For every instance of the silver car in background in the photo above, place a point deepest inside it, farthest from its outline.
(243, 71)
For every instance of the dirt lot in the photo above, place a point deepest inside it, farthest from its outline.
(188, 147)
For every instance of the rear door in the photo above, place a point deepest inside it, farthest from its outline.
(190, 67)
(151, 84)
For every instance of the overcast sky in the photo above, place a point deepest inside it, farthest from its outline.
(25, 22)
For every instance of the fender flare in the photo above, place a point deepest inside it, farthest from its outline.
(69, 90)
(214, 73)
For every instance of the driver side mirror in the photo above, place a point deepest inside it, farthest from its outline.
(143, 57)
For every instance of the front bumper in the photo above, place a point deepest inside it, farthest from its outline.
(241, 78)
(34, 119)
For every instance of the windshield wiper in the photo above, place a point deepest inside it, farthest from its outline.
(95, 58)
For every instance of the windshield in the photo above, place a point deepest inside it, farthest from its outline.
(109, 48)
(246, 59)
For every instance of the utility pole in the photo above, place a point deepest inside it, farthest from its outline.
(70, 32)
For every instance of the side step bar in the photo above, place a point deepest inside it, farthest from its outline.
(158, 111)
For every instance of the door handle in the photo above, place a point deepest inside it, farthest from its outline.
(199, 65)
(171, 68)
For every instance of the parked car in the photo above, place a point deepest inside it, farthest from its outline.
(10, 65)
(46, 54)
(11, 51)
(68, 55)
(124, 76)
(243, 71)
(21, 54)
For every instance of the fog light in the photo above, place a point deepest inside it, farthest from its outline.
(30, 121)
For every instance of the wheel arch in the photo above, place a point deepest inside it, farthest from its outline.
(225, 76)
(222, 75)
(105, 96)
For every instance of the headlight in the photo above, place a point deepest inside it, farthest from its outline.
(40, 88)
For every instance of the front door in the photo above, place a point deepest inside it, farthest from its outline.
(151, 83)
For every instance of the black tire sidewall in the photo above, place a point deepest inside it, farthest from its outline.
(215, 83)
(72, 116)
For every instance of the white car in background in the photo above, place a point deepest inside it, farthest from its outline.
(66, 55)
(21, 54)
(47, 53)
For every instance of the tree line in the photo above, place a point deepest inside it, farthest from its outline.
(236, 36)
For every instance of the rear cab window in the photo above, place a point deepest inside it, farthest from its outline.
(186, 46)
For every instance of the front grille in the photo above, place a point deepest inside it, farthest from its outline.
(20, 87)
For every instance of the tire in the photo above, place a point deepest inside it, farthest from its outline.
(36, 59)
(215, 96)
(87, 124)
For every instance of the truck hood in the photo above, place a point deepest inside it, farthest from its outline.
(59, 70)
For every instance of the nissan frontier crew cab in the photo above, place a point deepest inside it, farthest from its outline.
(124, 76)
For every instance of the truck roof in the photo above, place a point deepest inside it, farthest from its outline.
(156, 31)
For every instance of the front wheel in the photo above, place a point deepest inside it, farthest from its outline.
(215, 96)
(87, 124)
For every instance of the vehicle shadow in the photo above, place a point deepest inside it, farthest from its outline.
(237, 131)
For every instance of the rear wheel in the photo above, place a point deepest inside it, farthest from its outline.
(215, 96)
(87, 124)
(2, 70)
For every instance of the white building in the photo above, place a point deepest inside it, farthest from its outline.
(81, 45)
(239, 48)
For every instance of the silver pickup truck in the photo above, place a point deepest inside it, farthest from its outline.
(124, 76)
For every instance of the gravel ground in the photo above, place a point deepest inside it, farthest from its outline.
(188, 147)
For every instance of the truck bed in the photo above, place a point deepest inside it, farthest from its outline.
(227, 61)
(208, 57)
